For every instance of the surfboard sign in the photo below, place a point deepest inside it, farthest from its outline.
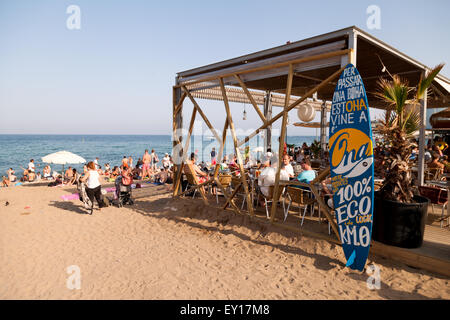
(352, 166)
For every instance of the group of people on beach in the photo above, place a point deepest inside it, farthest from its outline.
(29, 175)
(436, 157)
(266, 166)
(145, 168)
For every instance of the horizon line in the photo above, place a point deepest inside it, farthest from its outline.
(111, 134)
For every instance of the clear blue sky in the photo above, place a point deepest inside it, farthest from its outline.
(114, 75)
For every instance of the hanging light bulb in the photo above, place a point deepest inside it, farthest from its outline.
(244, 116)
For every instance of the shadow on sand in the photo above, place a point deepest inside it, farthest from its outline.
(160, 209)
(69, 206)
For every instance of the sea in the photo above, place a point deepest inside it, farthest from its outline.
(17, 150)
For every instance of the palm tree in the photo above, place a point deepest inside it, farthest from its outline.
(401, 120)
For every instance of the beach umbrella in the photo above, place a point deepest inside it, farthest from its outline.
(63, 157)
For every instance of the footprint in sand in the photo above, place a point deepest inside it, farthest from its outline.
(25, 213)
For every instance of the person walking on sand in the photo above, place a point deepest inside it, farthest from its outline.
(155, 160)
(146, 159)
(130, 162)
(93, 188)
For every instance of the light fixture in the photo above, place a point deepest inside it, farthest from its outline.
(244, 116)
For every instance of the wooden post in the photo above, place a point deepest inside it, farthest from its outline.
(423, 123)
(268, 115)
(222, 146)
(177, 121)
(236, 148)
(188, 139)
(323, 128)
(281, 143)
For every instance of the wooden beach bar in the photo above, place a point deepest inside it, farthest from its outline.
(287, 77)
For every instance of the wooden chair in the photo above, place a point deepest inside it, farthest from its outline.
(193, 179)
(236, 183)
(300, 198)
(434, 174)
(225, 181)
(437, 196)
(267, 199)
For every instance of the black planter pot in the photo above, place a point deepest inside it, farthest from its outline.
(400, 224)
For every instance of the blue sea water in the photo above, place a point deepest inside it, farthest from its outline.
(17, 150)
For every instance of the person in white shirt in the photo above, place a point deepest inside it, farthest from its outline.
(31, 165)
(266, 178)
(96, 163)
(166, 161)
(93, 188)
(287, 166)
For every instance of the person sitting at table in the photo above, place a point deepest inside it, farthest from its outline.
(436, 149)
(326, 192)
(326, 158)
(233, 165)
(441, 144)
(201, 175)
(267, 177)
(287, 166)
(308, 174)
(435, 165)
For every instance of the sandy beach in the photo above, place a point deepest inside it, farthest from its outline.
(162, 248)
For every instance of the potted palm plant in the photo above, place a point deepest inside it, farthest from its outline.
(400, 215)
